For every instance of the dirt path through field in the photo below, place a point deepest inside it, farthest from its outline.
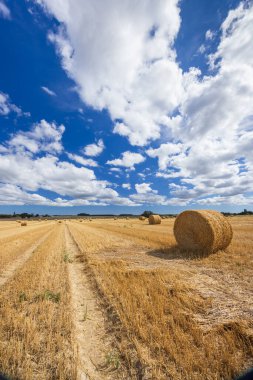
(94, 345)
(15, 265)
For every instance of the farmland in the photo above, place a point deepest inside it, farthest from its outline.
(117, 299)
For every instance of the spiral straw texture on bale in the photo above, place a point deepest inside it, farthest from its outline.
(202, 230)
(154, 219)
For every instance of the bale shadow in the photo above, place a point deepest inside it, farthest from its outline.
(175, 253)
(4, 377)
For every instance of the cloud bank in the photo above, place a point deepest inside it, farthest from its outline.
(197, 127)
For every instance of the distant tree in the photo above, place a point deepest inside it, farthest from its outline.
(147, 213)
(24, 215)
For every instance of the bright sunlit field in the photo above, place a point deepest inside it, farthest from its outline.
(117, 299)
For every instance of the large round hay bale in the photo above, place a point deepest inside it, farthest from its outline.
(142, 217)
(202, 230)
(155, 219)
(23, 224)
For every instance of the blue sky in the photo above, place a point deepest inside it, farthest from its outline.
(110, 106)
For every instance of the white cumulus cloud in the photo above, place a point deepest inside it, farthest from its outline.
(215, 121)
(6, 106)
(94, 150)
(164, 153)
(144, 188)
(82, 160)
(128, 160)
(43, 136)
(29, 163)
(209, 34)
(48, 91)
(121, 55)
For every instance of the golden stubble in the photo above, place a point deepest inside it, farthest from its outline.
(180, 313)
(35, 321)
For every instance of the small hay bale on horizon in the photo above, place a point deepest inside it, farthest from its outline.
(202, 230)
(142, 217)
(23, 224)
(155, 219)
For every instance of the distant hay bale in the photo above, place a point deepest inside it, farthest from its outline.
(202, 230)
(142, 217)
(59, 221)
(23, 224)
(115, 218)
(155, 219)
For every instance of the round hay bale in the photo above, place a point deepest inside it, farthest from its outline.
(155, 219)
(59, 221)
(202, 230)
(142, 217)
(23, 224)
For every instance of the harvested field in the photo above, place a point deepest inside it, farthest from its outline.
(119, 300)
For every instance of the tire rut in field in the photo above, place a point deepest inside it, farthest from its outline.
(94, 345)
(14, 266)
